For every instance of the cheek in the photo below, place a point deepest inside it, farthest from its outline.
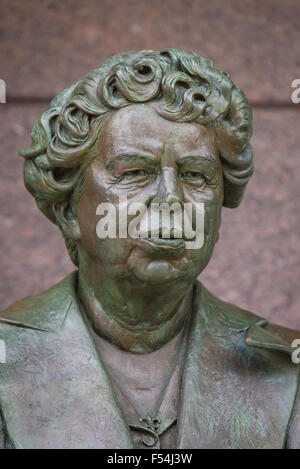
(213, 207)
(201, 257)
(211, 221)
(108, 251)
(87, 218)
(93, 195)
(213, 201)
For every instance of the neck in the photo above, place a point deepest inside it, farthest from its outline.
(137, 318)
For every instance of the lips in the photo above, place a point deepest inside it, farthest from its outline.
(168, 243)
(173, 235)
(162, 247)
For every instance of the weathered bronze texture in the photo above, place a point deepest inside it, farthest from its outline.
(131, 350)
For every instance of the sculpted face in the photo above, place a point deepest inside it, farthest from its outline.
(150, 159)
(109, 137)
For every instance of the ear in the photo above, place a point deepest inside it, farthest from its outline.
(67, 221)
(71, 230)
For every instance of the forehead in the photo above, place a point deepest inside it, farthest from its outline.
(140, 127)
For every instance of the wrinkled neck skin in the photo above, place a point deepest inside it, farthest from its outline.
(136, 317)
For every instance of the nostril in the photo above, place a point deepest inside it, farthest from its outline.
(170, 199)
(173, 198)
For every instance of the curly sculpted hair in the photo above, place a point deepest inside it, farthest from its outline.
(185, 87)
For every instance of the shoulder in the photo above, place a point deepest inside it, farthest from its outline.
(44, 310)
(258, 331)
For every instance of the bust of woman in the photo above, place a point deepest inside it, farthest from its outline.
(131, 350)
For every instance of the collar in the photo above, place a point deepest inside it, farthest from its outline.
(51, 309)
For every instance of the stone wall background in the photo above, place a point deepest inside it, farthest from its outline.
(46, 45)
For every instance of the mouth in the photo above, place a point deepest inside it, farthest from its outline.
(162, 247)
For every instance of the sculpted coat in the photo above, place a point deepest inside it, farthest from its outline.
(239, 386)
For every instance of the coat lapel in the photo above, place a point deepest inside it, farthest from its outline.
(234, 396)
(54, 390)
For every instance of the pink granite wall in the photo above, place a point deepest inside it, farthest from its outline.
(45, 46)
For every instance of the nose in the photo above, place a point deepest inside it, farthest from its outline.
(169, 189)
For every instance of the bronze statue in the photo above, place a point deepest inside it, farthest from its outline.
(131, 350)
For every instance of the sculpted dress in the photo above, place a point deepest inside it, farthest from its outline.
(239, 386)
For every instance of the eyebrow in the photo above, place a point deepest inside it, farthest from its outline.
(207, 159)
(135, 157)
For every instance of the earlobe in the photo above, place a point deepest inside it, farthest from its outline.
(71, 229)
(67, 222)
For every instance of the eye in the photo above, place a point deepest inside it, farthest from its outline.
(193, 177)
(192, 174)
(135, 173)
